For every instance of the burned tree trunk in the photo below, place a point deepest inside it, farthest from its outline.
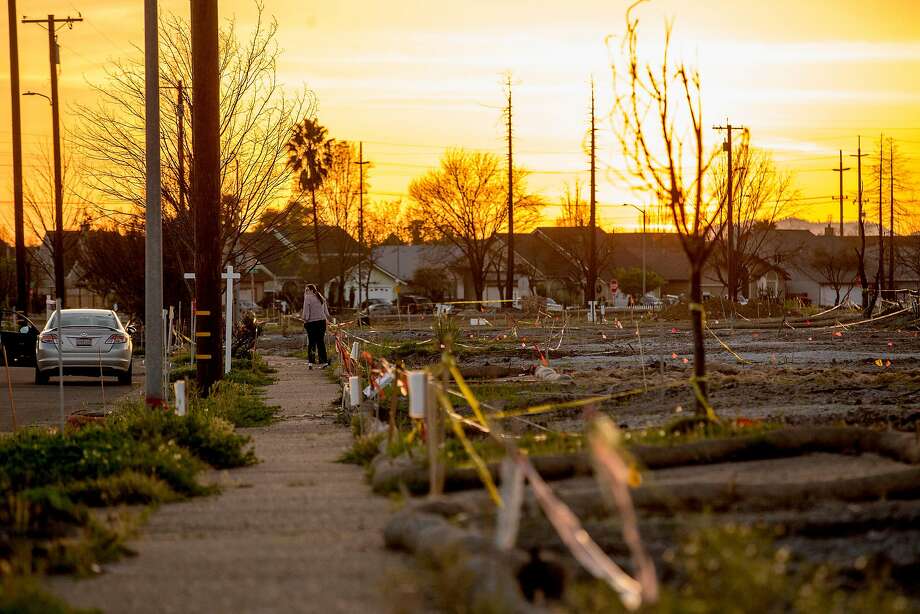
(699, 348)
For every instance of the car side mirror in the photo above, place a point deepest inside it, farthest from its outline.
(131, 330)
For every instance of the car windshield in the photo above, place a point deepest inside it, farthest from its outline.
(85, 318)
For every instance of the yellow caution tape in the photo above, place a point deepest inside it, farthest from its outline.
(698, 392)
(467, 393)
(743, 361)
(481, 468)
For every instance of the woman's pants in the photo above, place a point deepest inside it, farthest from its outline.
(316, 336)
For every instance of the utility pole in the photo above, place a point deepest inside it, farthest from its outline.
(205, 193)
(841, 170)
(591, 289)
(509, 283)
(180, 146)
(891, 279)
(153, 236)
(880, 280)
(730, 249)
(22, 291)
(54, 54)
(361, 162)
(861, 252)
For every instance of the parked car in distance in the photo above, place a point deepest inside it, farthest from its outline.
(18, 335)
(650, 300)
(93, 343)
(414, 303)
(380, 308)
(533, 303)
(550, 305)
(372, 301)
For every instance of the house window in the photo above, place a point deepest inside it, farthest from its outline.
(768, 285)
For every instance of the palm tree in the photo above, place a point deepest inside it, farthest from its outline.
(309, 156)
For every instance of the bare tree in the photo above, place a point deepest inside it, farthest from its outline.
(125, 245)
(574, 211)
(339, 200)
(836, 266)
(256, 118)
(658, 120)
(38, 195)
(382, 221)
(762, 196)
(891, 178)
(465, 200)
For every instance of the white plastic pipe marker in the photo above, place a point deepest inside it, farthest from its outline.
(418, 382)
(179, 388)
(354, 390)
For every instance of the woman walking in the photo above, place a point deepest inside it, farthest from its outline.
(315, 314)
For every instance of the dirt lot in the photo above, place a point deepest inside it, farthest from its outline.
(807, 373)
(767, 373)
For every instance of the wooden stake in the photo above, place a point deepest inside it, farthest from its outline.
(435, 427)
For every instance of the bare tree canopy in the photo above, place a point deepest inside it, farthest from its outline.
(40, 217)
(257, 116)
(837, 266)
(762, 196)
(340, 195)
(658, 121)
(574, 210)
(465, 201)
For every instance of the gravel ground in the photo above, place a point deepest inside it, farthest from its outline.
(295, 533)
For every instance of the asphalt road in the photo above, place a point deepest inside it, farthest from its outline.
(39, 405)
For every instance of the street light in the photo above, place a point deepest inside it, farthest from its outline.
(642, 211)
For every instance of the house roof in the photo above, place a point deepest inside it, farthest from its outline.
(290, 251)
(402, 261)
(663, 253)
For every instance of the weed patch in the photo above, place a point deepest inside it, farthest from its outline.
(362, 451)
(23, 595)
(238, 404)
(739, 569)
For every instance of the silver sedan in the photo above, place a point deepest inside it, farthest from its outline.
(93, 342)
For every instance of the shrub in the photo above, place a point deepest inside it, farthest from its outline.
(239, 405)
(35, 458)
(205, 433)
(23, 595)
(362, 451)
(128, 488)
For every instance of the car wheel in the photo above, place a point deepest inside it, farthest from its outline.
(40, 378)
(124, 379)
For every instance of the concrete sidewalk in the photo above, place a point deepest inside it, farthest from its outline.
(295, 533)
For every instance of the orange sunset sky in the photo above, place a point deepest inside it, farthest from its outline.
(411, 77)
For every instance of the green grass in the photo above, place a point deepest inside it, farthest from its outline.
(138, 456)
(362, 451)
(689, 430)
(24, 595)
(239, 404)
(534, 444)
(238, 398)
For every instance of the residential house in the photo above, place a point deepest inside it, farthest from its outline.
(283, 260)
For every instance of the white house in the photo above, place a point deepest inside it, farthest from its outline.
(381, 284)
